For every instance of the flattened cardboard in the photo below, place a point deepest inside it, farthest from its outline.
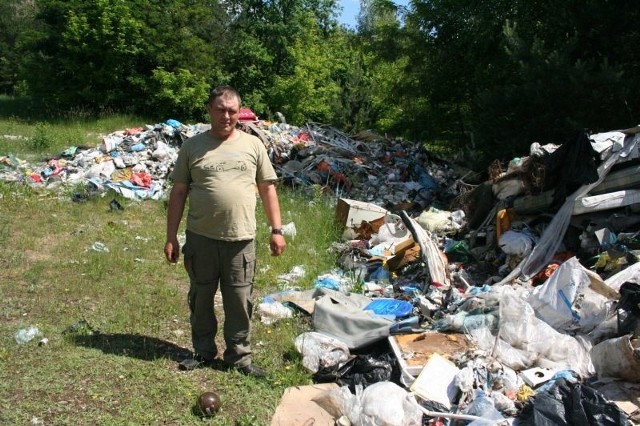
(303, 300)
(297, 408)
(436, 381)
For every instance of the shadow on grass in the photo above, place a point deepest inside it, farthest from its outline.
(132, 345)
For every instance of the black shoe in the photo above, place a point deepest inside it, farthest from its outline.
(198, 361)
(252, 371)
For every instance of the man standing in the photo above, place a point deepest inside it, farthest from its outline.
(219, 170)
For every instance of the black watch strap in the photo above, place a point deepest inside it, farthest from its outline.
(277, 231)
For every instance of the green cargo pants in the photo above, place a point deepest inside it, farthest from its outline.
(229, 265)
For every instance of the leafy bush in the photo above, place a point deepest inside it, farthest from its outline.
(180, 94)
(42, 139)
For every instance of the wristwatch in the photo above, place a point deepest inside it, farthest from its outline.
(277, 231)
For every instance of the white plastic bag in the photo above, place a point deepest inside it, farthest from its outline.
(520, 328)
(383, 404)
(566, 301)
(290, 230)
(319, 350)
(270, 312)
(380, 404)
(516, 243)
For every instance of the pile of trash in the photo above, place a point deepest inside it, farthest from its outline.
(507, 301)
(518, 305)
(136, 163)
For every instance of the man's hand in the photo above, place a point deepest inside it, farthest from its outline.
(277, 244)
(172, 250)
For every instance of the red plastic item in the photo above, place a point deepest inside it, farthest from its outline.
(247, 115)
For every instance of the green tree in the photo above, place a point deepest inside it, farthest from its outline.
(310, 91)
(381, 44)
(16, 16)
(510, 73)
(179, 62)
(122, 55)
(572, 68)
(260, 44)
(82, 53)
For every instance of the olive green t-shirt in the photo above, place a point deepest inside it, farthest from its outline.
(222, 178)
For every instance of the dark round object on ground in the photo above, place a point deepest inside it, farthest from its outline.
(209, 403)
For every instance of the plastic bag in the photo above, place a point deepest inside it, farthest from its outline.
(567, 404)
(26, 335)
(383, 404)
(567, 302)
(520, 328)
(362, 370)
(272, 311)
(290, 230)
(319, 350)
(483, 406)
(516, 243)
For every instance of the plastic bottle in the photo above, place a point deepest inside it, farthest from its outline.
(26, 335)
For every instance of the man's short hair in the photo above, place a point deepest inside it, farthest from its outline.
(224, 92)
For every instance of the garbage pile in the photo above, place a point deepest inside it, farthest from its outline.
(518, 305)
(136, 163)
(133, 162)
(511, 300)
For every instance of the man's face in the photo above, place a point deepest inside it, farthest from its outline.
(224, 112)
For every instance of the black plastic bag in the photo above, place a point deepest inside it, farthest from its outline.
(629, 309)
(362, 370)
(571, 404)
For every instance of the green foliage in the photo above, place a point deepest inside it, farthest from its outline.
(42, 139)
(82, 53)
(261, 53)
(309, 92)
(559, 81)
(179, 94)
(116, 55)
(16, 16)
(506, 74)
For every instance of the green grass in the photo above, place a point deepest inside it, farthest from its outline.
(117, 321)
(29, 134)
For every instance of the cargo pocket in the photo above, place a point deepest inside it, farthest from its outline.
(188, 255)
(243, 269)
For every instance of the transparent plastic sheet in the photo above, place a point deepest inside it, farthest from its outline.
(381, 404)
(525, 341)
(516, 243)
(271, 312)
(516, 359)
(483, 406)
(617, 358)
(319, 350)
(629, 274)
(335, 401)
(567, 303)
(520, 328)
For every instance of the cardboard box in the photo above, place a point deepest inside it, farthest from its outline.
(406, 252)
(352, 212)
(413, 350)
